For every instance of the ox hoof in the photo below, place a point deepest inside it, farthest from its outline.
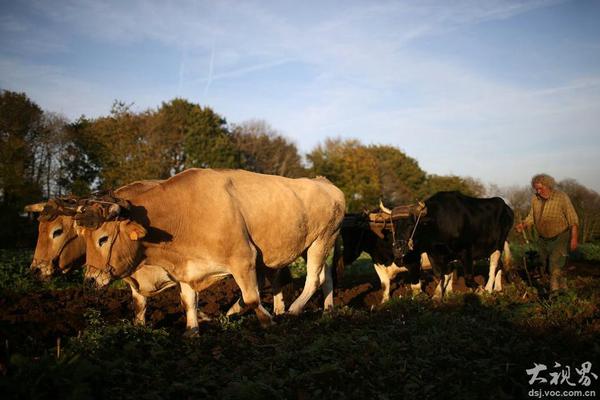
(192, 333)
(267, 324)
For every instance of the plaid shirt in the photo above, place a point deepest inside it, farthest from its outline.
(553, 216)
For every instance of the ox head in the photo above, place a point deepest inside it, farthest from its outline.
(58, 248)
(404, 220)
(112, 242)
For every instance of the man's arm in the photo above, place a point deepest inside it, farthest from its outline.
(574, 237)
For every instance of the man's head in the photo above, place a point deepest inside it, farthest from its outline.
(543, 185)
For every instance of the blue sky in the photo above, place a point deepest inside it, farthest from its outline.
(495, 90)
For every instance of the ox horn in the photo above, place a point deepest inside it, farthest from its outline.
(37, 207)
(384, 208)
(421, 209)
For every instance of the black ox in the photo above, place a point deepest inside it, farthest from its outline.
(371, 232)
(450, 226)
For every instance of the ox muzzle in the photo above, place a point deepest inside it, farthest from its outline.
(41, 270)
(96, 278)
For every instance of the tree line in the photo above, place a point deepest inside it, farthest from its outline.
(44, 155)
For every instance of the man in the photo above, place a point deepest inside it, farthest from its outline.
(556, 222)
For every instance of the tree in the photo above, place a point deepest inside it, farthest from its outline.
(20, 126)
(207, 142)
(264, 150)
(400, 176)
(79, 159)
(351, 167)
(48, 150)
(519, 199)
(587, 206)
(121, 147)
(438, 183)
(367, 174)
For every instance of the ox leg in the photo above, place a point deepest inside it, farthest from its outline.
(415, 289)
(425, 261)
(445, 285)
(189, 300)
(245, 277)
(448, 282)
(326, 282)
(315, 263)
(278, 302)
(498, 282)
(492, 273)
(139, 306)
(386, 274)
(384, 278)
(437, 294)
(236, 308)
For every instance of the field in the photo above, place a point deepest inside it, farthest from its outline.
(59, 341)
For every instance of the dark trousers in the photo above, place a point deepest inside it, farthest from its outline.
(554, 252)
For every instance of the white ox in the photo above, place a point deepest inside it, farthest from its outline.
(202, 225)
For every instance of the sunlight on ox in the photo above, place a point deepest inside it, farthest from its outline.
(58, 248)
(203, 225)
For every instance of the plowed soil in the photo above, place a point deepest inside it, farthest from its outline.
(44, 316)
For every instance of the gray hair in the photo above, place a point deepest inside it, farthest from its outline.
(544, 179)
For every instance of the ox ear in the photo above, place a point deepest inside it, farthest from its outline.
(134, 230)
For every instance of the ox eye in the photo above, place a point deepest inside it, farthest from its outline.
(102, 240)
(57, 233)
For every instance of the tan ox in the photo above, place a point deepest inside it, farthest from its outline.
(60, 249)
(202, 225)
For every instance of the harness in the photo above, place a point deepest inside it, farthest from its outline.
(108, 267)
(410, 239)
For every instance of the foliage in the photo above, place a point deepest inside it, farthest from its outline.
(438, 183)
(352, 168)
(588, 252)
(265, 151)
(15, 277)
(368, 173)
(468, 347)
(587, 206)
(20, 128)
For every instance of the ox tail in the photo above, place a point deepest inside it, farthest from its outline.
(338, 265)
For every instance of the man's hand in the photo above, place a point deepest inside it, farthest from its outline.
(574, 237)
(573, 245)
